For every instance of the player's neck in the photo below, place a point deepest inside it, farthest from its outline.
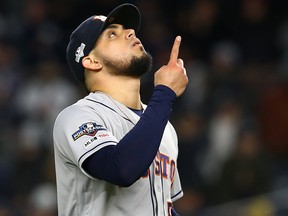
(126, 90)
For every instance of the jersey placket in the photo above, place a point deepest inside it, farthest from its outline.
(158, 185)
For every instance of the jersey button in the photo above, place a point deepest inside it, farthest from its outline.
(158, 188)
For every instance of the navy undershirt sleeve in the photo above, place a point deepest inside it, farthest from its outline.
(126, 162)
(174, 213)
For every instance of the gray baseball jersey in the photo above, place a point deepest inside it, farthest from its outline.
(85, 127)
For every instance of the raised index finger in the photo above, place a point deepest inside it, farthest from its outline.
(175, 50)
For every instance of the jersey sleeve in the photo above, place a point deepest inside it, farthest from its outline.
(79, 137)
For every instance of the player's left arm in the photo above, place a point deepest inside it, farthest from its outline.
(126, 162)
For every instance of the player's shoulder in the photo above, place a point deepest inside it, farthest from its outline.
(73, 111)
(89, 105)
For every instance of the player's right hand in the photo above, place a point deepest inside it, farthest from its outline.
(173, 75)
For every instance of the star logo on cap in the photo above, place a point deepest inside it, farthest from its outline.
(79, 52)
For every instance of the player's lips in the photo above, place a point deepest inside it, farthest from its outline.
(136, 42)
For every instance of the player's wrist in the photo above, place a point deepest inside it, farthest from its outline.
(163, 89)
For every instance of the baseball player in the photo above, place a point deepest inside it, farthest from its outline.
(114, 155)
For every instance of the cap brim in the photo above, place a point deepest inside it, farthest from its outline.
(127, 15)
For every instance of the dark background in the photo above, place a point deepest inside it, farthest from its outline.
(232, 120)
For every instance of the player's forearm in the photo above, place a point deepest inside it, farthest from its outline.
(126, 162)
(138, 148)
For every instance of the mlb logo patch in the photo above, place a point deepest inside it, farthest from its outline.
(89, 128)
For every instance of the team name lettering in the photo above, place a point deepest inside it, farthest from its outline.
(164, 167)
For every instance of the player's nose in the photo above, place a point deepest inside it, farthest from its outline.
(130, 33)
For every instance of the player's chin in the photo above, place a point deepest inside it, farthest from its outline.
(142, 49)
(141, 52)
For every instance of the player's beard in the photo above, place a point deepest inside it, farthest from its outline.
(135, 68)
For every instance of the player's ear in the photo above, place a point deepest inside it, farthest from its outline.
(90, 62)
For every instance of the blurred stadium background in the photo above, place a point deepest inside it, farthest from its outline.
(232, 121)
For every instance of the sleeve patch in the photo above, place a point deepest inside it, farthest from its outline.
(89, 129)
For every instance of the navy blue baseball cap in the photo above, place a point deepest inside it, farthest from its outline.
(84, 37)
